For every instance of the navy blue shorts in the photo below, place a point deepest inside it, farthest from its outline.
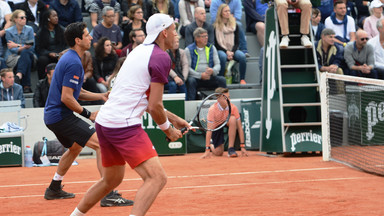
(218, 137)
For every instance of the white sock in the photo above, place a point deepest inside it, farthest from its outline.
(77, 212)
(58, 177)
(132, 215)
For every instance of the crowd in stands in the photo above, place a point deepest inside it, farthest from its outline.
(348, 38)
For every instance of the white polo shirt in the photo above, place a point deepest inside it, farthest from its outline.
(339, 29)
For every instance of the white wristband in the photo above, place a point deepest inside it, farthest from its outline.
(165, 125)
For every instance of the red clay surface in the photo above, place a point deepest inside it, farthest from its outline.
(254, 185)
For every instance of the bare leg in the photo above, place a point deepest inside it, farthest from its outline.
(218, 151)
(67, 159)
(232, 129)
(260, 28)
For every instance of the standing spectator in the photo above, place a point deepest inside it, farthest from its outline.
(103, 63)
(96, 9)
(187, 10)
(68, 10)
(127, 4)
(378, 43)
(200, 21)
(135, 14)
(21, 49)
(160, 6)
(255, 17)
(282, 14)
(317, 26)
(227, 41)
(179, 70)
(108, 29)
(33, 10)
(236, 10)
(342, 24)
(204, 65)
(137, 36)
(9, 90)
(376, 10)
(49, 41)
(360, 56)
(42, 87)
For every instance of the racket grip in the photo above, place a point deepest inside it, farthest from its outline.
(183, 129)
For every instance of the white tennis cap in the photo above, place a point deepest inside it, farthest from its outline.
(156, 24)
(375, 4)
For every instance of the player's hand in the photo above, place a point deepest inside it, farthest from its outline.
(207, 154)
(244, 152)
(104, 96)
(93, 116)
(173, 134)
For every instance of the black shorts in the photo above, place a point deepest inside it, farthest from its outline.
(218, 137)
(72, 129)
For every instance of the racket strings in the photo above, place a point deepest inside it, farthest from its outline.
(215, 119)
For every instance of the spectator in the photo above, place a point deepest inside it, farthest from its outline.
(377, 42)
(5, 19)
(179, 70)
(200, 21)
(203, 68)
(103, 63)
(33, 10)
(351, 11)
(127, 4)
(227, 41)
(254, 17)
(89, 82)
(359, 56)
(135, 14)
(187, 10)
(9, 90)
(236, 9)
(12, 3)
(176, 7)
(108, 29)
(96, 9)
(362, 7)
(207, 4)
(282, 14)
(21, 49)
(68, 10)
(342, 24)
(234, 127)
(317, 26)
(329, 54)
(49, 41)
(111, 80)
(42, 87)
(160, 6)
(137, 36)
(326, 9)
(376, 10)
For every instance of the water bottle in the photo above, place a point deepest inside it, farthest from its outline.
(28, 157)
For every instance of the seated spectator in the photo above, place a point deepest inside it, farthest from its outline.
(49, 41)
(21, 49)
(137, 36)
(89, 82)
(135, 14)
(236, 10)
(187, 9)
(9, 90)
(200, 21)
(68, 10)
(127, 4)
(160, 6)
(351, 11)
(359, 56)
(112, 78)
(33, 9)
(103, 63)
(12, 3)
(329, 54)
(317, 26)
(42, 87)
(234, 126)
(108, 29)
(376, 10)
(179, 71)
(254, 17)
(203, 69)
(227, 41)
(362, 7)
(377, 42)
(5, 20)
(342, 24)
(96, 11)
(305, 18)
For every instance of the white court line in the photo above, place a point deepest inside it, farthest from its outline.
(220, 185)
(189, 176)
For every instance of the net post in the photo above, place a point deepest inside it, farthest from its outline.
(324, 117)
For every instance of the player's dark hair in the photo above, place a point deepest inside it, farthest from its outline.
(73, 31)
(221, 90)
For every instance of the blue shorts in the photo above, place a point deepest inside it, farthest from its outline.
(218, 137)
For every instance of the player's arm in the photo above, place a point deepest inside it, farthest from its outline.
(241, 137)
(156, 109)
(207, 152)
(90, 96)
(178, 122)
(69, 101)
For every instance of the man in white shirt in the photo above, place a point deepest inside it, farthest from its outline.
(342, 24)
(378, 42)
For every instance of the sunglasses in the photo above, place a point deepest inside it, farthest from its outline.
(22, 17)
(363, 39)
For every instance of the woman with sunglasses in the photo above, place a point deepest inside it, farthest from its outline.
(21, 49)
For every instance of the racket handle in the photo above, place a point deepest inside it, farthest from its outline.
(182, 131)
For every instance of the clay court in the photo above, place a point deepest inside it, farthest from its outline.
(254, 185)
